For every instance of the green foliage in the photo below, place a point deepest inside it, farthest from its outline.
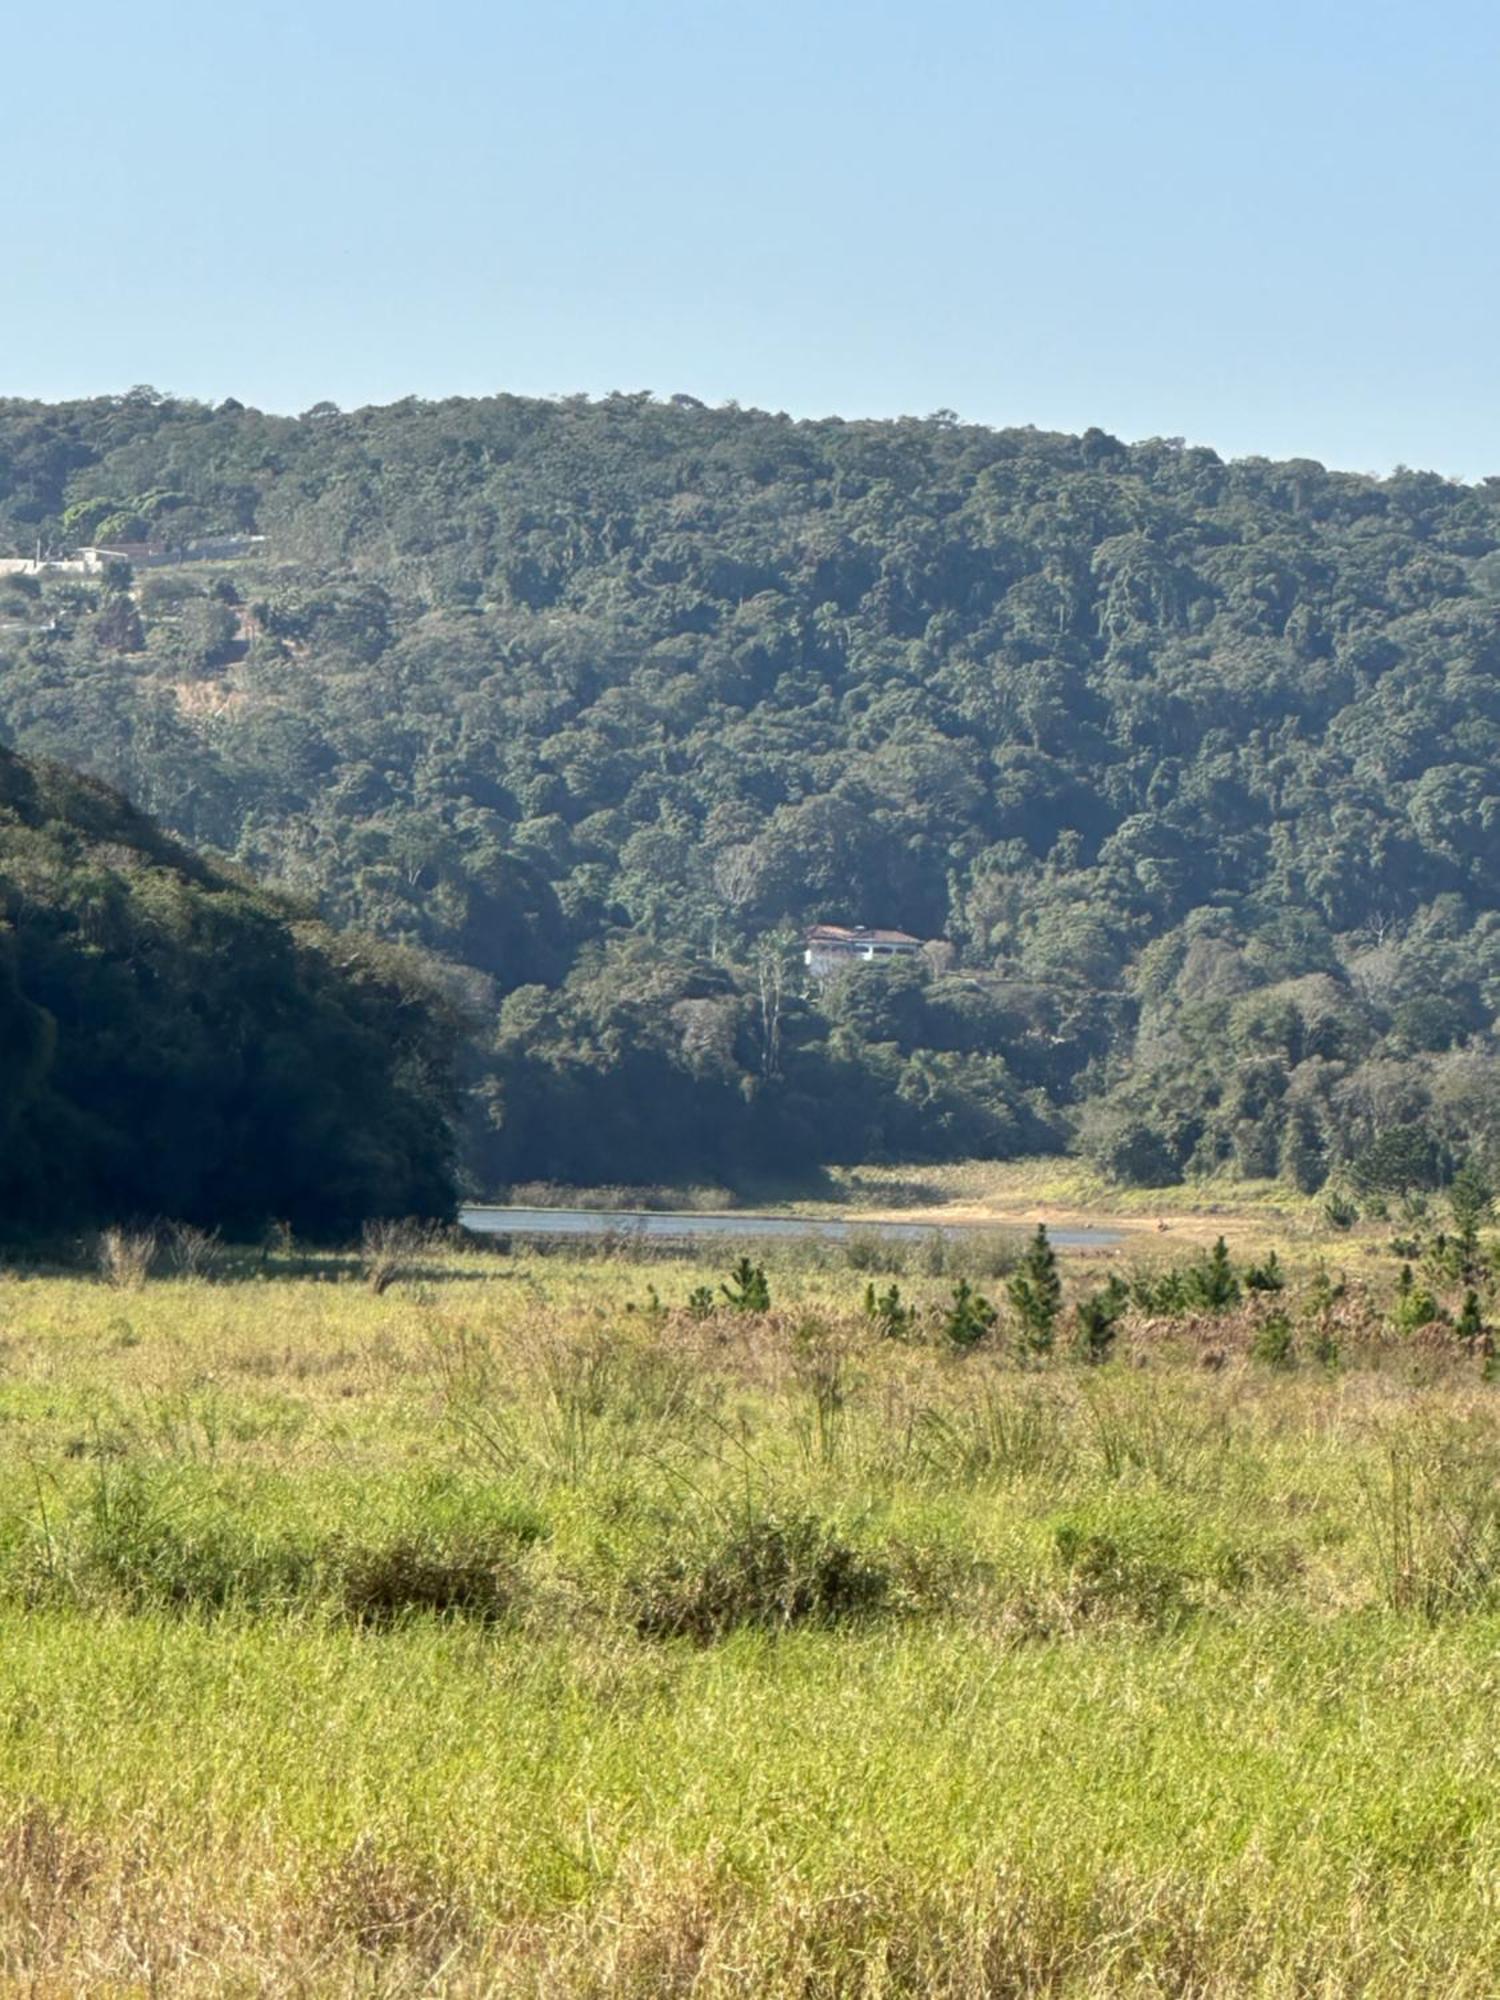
(1471, 1197)
(1161, 1293)
(747, 1289)
(1131, 1152)
(1035, 1295)
(1319, 1318)
(757, 1568)
(1400, 1158)
(1212, 1284)
(968, 1319)
(1189, 766)
(1123, 1575)
(1450, 1259)
(1207, 1284)
(891, 1317)
(1267, 1277)
(1470, 1326)
(1096, 1319)
(178, 1043)
(1416, 1306)
(1339, 1212)
(1274, 1343)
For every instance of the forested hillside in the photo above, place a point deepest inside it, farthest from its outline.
(1189, 767)
(175, 1043)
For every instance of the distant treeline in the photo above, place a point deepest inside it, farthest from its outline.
(176, 1043)
(1194, 766)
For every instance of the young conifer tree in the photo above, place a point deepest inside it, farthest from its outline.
(1035, 1294)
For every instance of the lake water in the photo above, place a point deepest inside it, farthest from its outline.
(680, 1228)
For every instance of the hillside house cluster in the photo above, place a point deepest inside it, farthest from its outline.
(93, 561)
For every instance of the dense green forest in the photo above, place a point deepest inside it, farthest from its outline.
(1187, 768)
(176, 1043)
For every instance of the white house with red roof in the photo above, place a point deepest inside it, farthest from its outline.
(834, 947)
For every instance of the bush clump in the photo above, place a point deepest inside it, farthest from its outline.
(413, 1573)
(765, 1569)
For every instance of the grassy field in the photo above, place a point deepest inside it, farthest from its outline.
(515, 1629)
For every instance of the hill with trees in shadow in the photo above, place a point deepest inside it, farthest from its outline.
(174, 1042)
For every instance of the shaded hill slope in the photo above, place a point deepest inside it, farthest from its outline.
(178, 1043)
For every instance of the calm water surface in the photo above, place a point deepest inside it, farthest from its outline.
(738, 1228)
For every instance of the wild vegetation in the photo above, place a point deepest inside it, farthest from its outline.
(1187, 766)
(174, 1041)
(429, 1620)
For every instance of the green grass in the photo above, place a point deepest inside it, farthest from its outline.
(511, 1631)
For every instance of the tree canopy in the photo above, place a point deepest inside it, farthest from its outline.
(1192, 764)
(176, 1043)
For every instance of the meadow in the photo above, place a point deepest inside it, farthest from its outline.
(468, 1623)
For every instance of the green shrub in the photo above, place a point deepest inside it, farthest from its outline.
(969, 1319)
(1267, 1277)
(1161, 1293)
(1121, 1574)
(1096, 1319)
(891, 1319)
(747, 1289)
(1416, 1306)
(764, 1569)
(1211, 1284)
(175, 1542)
(1273, 1343)
(872, 1250)
(378, 1584)
(1471, 1197)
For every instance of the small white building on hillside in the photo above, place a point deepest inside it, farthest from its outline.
(833, 948)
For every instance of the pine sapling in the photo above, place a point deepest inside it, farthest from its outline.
(1213, 1282)
(1267, 1277)
(1096, 1319)
(893, 1319)
(1470, 1327)
(969, 1319)
(1035, 1294)
(747, 1290)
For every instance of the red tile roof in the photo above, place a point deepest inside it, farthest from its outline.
(856, 934)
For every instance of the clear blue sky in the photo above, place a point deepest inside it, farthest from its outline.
(1266, 227)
